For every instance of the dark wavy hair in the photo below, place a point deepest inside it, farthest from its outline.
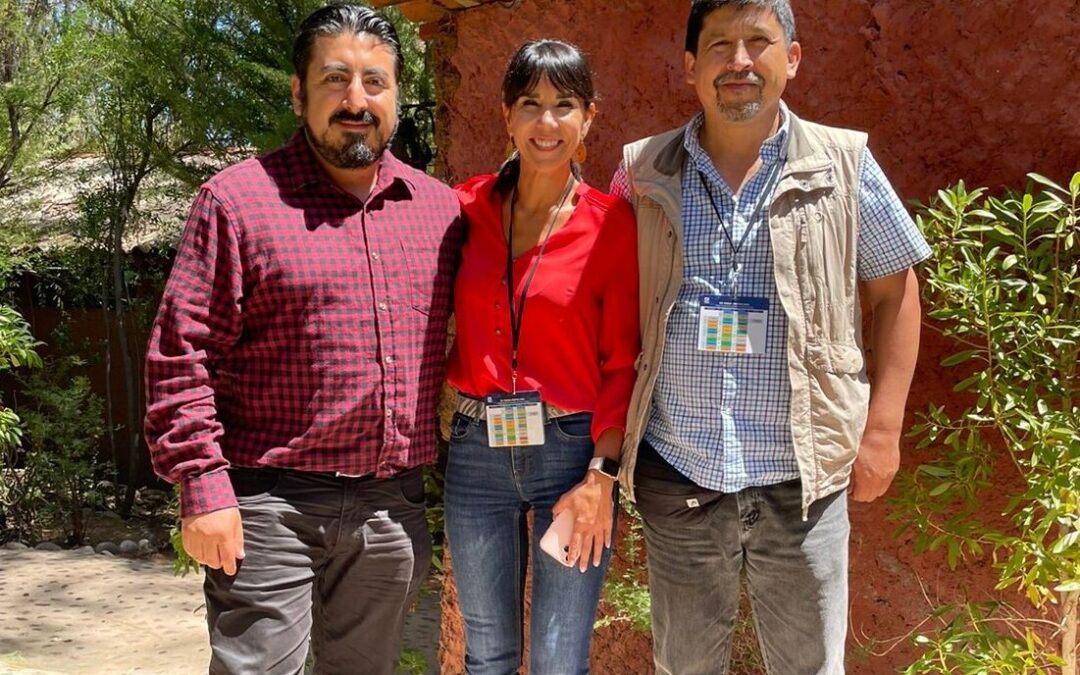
(565, 68)
(699, 9)
(338, 19)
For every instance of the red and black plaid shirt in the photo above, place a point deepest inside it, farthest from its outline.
(301, 328)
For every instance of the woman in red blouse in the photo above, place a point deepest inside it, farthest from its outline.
(547, 333)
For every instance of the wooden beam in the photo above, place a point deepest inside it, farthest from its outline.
(453, 5)
(428, 12)
(422, 11)
(460, 4)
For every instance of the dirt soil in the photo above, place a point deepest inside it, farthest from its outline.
(71, 612)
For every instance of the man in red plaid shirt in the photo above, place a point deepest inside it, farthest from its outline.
(294, 368)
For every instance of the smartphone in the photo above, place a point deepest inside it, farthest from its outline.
(556, 541)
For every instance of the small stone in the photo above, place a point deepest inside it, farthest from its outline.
(107, 554)
(85, 550)
(48, 546)
(144, 546)
(128, 547)
(107, 547)
(15, 546)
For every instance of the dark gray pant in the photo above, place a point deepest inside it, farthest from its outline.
(336, 559)
(699, 544)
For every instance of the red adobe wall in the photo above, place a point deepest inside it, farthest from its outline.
(984, 91)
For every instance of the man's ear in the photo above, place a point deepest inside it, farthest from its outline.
(794, 58)
(689, 63)
(297, 89)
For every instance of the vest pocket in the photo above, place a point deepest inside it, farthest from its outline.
(839, 393)
(836, 357)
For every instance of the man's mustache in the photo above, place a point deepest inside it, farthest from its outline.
(364, 117)
(742, 78)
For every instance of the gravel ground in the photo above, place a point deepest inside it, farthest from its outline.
(78, 613)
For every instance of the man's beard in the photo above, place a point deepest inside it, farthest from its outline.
(353, 150)
(739, 112)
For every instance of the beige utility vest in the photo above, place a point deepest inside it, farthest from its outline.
(813, 228)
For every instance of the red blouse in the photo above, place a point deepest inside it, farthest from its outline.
(579, 332)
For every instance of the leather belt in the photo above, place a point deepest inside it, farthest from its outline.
(477, 409)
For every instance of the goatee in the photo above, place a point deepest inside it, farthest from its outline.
(739, 112)
(353, 150)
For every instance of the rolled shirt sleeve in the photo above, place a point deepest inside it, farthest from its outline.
(197, 323)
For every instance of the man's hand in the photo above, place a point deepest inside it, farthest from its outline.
(215, 539)
(875, 465)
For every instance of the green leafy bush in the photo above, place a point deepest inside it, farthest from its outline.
(17, 349)
(1004, 280)
(56, 475)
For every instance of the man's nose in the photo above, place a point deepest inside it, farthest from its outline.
(740, 58)
(356, 99)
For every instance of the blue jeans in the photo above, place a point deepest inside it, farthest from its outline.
(700, 542)
(489, 491)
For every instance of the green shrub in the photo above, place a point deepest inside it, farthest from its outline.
(1004, 280)
(17, 349)
(60, 467)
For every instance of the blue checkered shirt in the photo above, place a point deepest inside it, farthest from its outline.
(723, 420)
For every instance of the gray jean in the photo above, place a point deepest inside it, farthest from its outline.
(339, 560)
(699, 543)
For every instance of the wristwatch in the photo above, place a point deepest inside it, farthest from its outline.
(606, 466)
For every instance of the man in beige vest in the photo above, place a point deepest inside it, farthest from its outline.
(753, 419)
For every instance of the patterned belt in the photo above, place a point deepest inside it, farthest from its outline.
(477, 409)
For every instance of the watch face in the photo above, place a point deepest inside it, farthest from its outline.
(606, 466)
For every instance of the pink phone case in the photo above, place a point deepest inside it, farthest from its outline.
(556, 541)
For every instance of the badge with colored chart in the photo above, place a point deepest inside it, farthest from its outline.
(515, 420)
(732, 325)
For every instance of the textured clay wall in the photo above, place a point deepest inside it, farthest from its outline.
(983, 90)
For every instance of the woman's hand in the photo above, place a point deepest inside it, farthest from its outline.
(593, 509)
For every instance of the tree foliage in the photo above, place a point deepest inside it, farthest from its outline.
(42, 54)
(1005, 282)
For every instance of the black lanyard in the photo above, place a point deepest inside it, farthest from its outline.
(766, 192)
(516, 316)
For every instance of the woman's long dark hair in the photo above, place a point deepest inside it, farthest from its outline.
(565, 68)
